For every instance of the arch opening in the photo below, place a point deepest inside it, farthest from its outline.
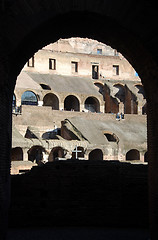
(35, 154)
(92, 104)
(111, 137)
(45, 87)
(17, 154)
(132, 155)
(56, 153)
(51, 100)
(96, 155)
(71, 103)
(29, 98)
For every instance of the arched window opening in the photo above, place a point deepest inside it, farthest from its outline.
(51, 100)
(96, 155)
(71, 103)
(132, 155)
(17, 154)
(29, 98)
(35, 154)
(45, 87)
(111, 137)
(56, 153)
(92, 104)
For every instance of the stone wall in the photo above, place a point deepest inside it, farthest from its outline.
(80, 194)
(63, 59)
(45, 117)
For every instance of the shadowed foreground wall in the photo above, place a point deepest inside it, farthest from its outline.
(81, 194)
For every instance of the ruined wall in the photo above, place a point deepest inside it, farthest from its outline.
(63, 65)
(45, 117)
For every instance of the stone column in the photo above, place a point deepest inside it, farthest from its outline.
(25, 154)
(82, 107)
(40, 103)
(61, 106)
(140, 105)
(121, 107)
(102, 108)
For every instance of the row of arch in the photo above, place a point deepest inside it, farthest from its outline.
(122, 98)
(71, 102)
(127, 101)
(36, 154)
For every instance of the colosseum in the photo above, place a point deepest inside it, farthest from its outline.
(78, 99)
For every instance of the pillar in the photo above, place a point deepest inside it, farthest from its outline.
(61, 106)
(121, 107)
(140, 106)
(40, 103)
(25, 154)
(6, 94)
(102, 108)
(82, 107)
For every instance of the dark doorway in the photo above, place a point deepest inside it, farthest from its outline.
(71, 103)
(35, 154)
(57, 152)
(133, 155)
(96, 155)
(95, 71)
(92, 104)
(17, 154)
(51, 100)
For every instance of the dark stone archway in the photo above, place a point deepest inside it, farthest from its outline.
(71, 103)
(92, 104)
(52, 100)
(57, 152)
(132, 155)
(129, 27)
(17, 154)
(96, 155)
(35, 154)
